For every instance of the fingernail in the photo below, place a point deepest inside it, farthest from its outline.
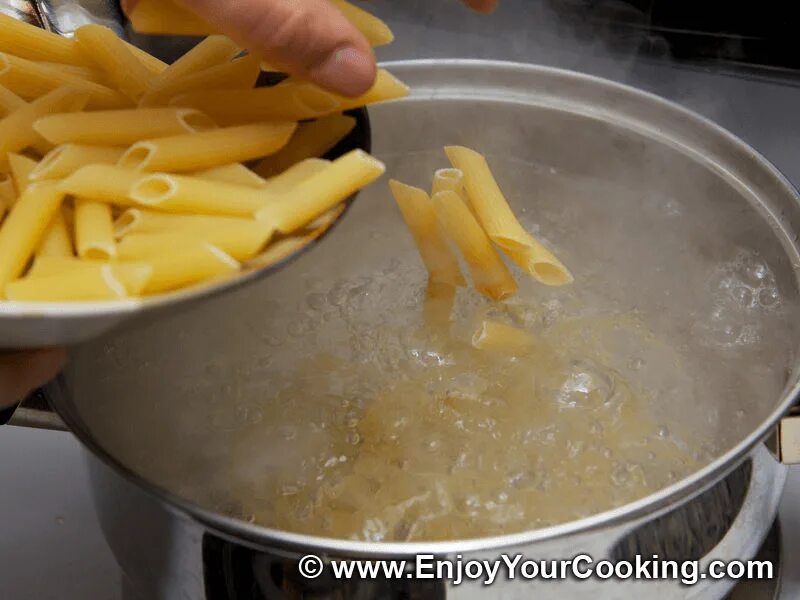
(348, 71)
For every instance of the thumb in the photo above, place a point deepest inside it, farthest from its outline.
(23, 372)
(308, 37)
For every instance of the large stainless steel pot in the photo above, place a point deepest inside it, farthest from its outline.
(649, 174)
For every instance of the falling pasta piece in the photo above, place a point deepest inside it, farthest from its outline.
(499, 337)
(445, 180)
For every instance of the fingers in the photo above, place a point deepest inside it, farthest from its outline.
(307, 37)
(482, 6)
(23, 372)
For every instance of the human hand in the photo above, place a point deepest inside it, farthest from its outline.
(23, 372)
(308, 37)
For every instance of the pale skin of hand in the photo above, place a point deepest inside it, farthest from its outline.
(22, 372)
(309, 38)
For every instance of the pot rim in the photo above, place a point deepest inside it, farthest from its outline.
(649, 506)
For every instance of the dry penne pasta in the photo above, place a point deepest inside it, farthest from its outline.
(236, 173)
(24, 228)
(489, 273)
(21, 168)
(240, 73)
(121, 127)
(120, 66)
(94, 230)
(290, 100)
(417, 210)
(212, 51)
(57, 240)
(68, 158)
(375, 30)
(74, 285)
(444, 180)
(16, 130)
(184, 194)
(311, 140)
(175, 268)
(31, 42)
(166, 17)
(150, 62)
(8, 193)
(87, 73)
(499, 221)
(208, 149)
(142, 220)
(499, 337)
(5, 205)
(293, 176)
(322, 191)
(30, 80)
(9, 101)
(103, 183)
(132, 275)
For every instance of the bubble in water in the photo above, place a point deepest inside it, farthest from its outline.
(743, 295)
(317, 301)
(636, 363)
(586, 386)
(769, 297)
(663, 432)
(753, 270)
(337, 296)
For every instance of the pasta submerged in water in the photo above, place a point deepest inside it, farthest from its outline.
(113, 185)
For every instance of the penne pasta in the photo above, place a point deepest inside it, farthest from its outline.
(438, 307)
(103, 183)
(417, 210)
(489, 273)
(448, 180)
(175, 268)
(322, 191)
(57, 240)
(21, 167)
(499, 221)
(134, 276)
(121, 127)
(74, 285)
(119, 65)
(499, 337)
(5, 205)
(31, 42)
(150, 62)
(236, 173)
(240, 73)
(291, 101)
(375, 30)
(30, 80)
(241, 241)
(68, 158)
(293, 176)
(8, 193)
(16, 130)
(208, 149)
(166, 17)
(9, 101)
(86, 73)
(94, 230)
(311, 140)
(142, 220)
(24, 228)
(183, 194)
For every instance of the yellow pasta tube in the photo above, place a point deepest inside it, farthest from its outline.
(87, 73)
(57, 240)
(499, 221)
(75, 285)
(150, 62)
(311, 140)
(236, 173)
(121, 127)
(103, 183)
(489, 273)
(208, 149)
(241, 73)
(112, 57)
(321, 192)
(499, 337)
(142, 220)
(291, 101)
(375, 30)
(418, 213)
(94, 230)
(24, 227)
(241, 241)
(21, 167)
(34, 43)
(182, 194)
(445, 180)
(68, 158)
(16, 130)
(9, 101)
(8, 193)
(438, 307)
(296, 174)
(132, 275)
(4, 206)
(30, 80)
(175, 268)
(166, 17)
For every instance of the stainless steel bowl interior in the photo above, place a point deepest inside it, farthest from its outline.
(657, 210)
